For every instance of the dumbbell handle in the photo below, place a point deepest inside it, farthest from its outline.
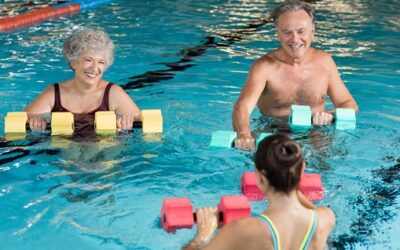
(28, 128)
(220, 216)
(136, 124)
(332, 122)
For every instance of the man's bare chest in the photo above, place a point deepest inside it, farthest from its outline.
(283, 92)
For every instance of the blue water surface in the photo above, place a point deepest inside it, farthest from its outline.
(190, 59)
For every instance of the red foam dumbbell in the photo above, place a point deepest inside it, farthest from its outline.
(178, 212)
(310, 186)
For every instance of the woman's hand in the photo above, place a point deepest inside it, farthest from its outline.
(207, 223)
(125, 122)
(37, 123)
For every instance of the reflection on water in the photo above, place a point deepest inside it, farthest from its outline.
(191, 60)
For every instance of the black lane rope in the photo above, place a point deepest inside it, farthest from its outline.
(187, 55)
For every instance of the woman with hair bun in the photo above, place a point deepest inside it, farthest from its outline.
(290, 221)
(89, 53)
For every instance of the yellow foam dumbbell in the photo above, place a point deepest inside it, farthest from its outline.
(15, 122)
(152, 121)
(105, 122)
(62, 123)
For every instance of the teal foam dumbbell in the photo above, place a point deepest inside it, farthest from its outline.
(226, 139)
(223, 139)
(301, 117)
(345, 118)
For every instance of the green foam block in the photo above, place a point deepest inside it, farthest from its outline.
(300, 116)
(345, 118)
(222, 139)
(262, 136)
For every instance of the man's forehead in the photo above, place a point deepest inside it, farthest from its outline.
(291, 18)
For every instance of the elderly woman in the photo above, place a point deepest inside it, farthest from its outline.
(89, 53)
(290, 221)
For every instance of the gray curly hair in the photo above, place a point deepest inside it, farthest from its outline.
(293, 5)
(88, 39)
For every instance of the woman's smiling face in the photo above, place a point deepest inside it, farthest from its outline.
(90, 66)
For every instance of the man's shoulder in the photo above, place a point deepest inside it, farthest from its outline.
(268, 59)
(271, 56)
(320, 54)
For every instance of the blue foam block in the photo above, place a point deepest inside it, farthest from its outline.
(261, 137)
(222, 139)
(300, 116)
(345, 118)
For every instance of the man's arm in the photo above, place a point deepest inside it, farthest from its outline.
(246, 102)
(337, 90)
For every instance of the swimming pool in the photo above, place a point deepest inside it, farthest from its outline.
(190, 60)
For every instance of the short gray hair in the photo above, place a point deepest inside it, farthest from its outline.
(293, 5)
(85, 40)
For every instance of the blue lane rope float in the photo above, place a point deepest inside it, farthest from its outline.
(84, 4)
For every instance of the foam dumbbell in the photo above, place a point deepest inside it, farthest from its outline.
(301, 117)
(226, 139)
(310, 185)
(15, 122)
(62, 123)
(151, 121)
(345, 118)
(178, 212)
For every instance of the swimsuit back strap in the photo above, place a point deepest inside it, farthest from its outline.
(57, 97)
(272, 229)
(105, 102)
(310, 231)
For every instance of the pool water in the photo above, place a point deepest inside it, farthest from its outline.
(190, 59)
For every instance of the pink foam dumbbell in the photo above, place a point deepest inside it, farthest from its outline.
(310, 186)
(178, 212)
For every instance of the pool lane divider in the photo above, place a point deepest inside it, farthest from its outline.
(187, 55)
(48, 12)
(84, 4)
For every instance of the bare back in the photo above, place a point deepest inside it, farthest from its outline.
(253, 234)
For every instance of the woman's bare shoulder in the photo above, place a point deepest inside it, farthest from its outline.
(326, 218)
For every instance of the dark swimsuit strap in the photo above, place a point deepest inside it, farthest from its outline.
(57, 98)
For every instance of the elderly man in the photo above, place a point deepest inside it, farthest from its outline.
(295, 73)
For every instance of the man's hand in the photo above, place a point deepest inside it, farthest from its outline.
(37, 123)
(125, 122)
(322, 118)
(246, 142)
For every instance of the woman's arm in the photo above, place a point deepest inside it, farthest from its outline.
(125, 108)
(234, 235)
(39, 108)
(304, 201)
